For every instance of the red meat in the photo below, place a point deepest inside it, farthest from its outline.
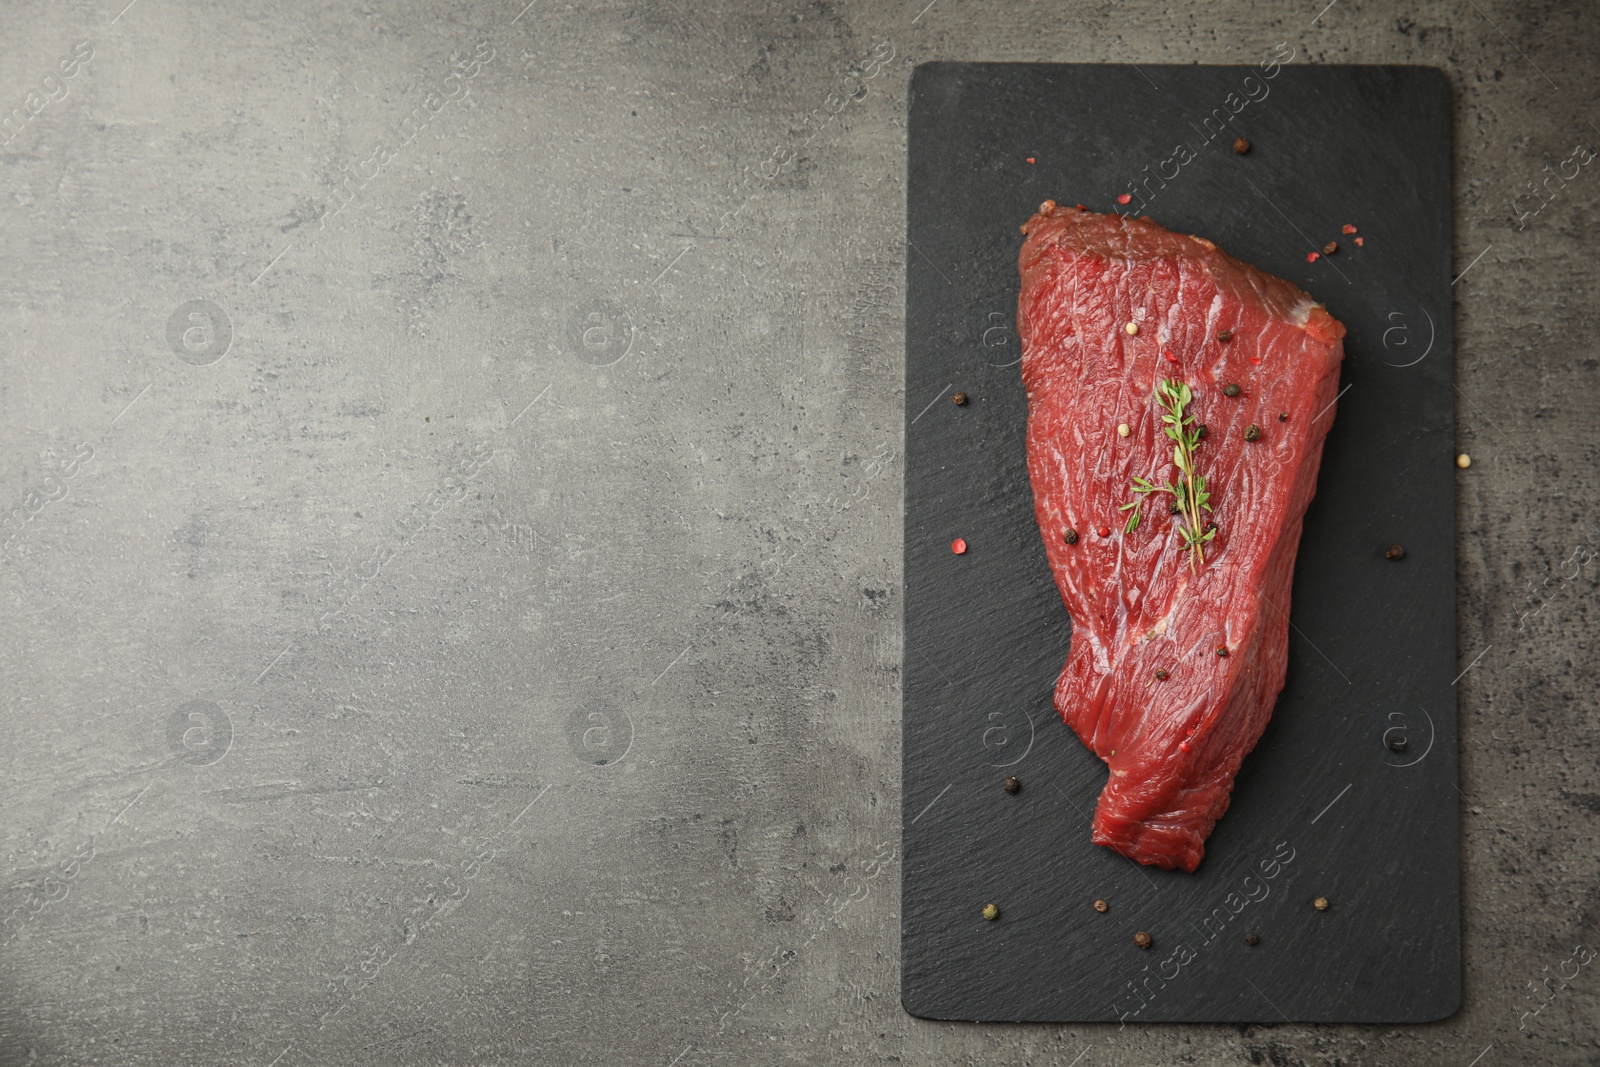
(1219, 632)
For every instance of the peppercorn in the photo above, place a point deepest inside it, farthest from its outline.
(1397, 744)
(1252, 432)
(1251, 939)
(960, 399)
(1176, 508)
(1142, 939)
(1104, 531)
(1283, 416)
(1321, 903)
(1012, 785)
(1241, 145)
(1330, 248)
(1122, 429)
(1225, 336)
(1463, 461)
(1131, 329)
(1230, 390)
(991, 912)
(1200, 432)
(1070, 537)
(1161, 674)
(1394, 552)
(1101, 906)
(1222, 650)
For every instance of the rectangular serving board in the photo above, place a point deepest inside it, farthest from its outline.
(1324, 806)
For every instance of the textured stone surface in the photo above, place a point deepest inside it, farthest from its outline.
(470, 634)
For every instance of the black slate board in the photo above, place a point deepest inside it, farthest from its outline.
(1322, 806)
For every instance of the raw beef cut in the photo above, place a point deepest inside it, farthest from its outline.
(1177, 582)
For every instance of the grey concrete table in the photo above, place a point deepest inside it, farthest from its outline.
(450, 558)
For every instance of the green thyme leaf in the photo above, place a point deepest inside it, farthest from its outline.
(1180, 424)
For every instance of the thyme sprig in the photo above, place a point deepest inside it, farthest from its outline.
(1189, 491)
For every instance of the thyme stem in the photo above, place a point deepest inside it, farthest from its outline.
(1189, 490)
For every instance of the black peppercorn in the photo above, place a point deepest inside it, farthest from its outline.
(1394, 552)
(1012, 785)
(1241, 145)
(1252, 432)
(1070, 537)
(1161, 674)
(1142, 939)
(1225, 336)
(1251, 939)
(1230, 390)
(1222, 650)
(960, 399)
